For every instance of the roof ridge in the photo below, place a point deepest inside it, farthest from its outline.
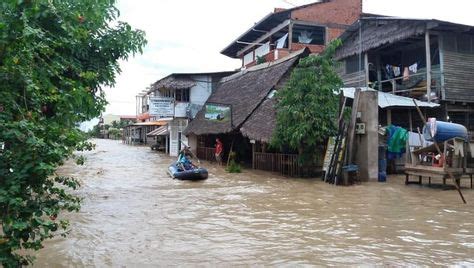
(263, 66)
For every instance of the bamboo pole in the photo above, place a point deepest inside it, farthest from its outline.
(451, 176)
(230, 152)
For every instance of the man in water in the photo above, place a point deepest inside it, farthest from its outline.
(218, 151)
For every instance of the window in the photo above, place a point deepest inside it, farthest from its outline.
(308, 34)
(352, 64)
(182, 95)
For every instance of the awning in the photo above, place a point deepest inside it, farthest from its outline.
(390, 100)
(161, 131)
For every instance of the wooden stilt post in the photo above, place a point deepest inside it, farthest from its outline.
(428, 65)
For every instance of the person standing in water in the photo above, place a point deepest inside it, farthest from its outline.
(218, 151)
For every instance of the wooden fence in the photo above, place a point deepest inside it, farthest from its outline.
(285, 164)
(206, 153)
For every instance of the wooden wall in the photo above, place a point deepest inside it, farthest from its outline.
(458, 76)
(356, 79)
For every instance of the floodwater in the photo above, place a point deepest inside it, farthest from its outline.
(133, 214)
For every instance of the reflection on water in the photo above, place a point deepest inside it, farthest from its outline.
(134, 214)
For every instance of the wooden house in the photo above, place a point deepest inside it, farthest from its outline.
(430, 60)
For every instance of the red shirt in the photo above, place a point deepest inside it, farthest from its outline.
(219, 147)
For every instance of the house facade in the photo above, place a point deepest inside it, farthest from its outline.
(429, 60)
(285, 31)
(166, 107)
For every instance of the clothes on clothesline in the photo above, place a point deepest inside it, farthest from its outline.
(395, 71)
(413, 68)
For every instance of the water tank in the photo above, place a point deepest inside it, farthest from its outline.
(444, 131)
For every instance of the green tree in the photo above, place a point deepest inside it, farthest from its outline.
(307, 106)
(55, 57)
(114, 133)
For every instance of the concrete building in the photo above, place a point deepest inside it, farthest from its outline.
(167, 106)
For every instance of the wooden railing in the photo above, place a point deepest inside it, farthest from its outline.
(285, 164)
(206, 153)
(418, 88)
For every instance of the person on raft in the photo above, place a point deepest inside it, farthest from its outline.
(184, 158)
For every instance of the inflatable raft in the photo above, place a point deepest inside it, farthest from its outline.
(176, 172)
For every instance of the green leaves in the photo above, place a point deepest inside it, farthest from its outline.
(307, 105)
(55, 57)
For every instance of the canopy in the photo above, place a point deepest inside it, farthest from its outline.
(161, 131)
(389, 100)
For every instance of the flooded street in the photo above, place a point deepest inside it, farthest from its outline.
(134, 214)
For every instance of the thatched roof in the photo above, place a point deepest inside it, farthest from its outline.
(376, 31)
(244, 92)
(173, 81)
(375, 34)
(261, 123)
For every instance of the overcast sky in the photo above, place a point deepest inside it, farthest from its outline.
(187, 35)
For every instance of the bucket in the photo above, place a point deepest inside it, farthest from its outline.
(443, 131)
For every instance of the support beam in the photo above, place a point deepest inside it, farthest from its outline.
(379, 71)
(428, 64)
(264, 37)
(389, 116)
(366, 68)
(290, 35)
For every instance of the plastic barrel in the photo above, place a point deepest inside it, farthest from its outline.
(382, 176)
(382, 170)
(445, 131)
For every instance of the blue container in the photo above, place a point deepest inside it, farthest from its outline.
(445, 131)
(382, 176)
(382, 165)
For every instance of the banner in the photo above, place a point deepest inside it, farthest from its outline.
(218, 112)
(161, 107)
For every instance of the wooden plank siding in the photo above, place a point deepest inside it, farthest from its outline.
(285, 164)
(458, 76)
(356, 79)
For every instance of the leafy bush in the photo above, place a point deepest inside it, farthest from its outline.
(233, 167)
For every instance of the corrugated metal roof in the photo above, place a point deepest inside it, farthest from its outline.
(389, 99)
(161, 131)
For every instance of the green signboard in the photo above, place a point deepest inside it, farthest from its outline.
(218, 112)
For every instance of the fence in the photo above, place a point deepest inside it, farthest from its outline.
(206, 153)
(285, 164)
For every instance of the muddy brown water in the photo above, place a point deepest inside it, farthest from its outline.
(134, 214)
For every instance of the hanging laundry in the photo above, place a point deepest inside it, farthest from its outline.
(389, 71)
(413, 68)
(406, 74)
(396, 70)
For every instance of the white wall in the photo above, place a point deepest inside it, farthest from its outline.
(193, 142)
(174, 127)
(180, 109)
(202, 90)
